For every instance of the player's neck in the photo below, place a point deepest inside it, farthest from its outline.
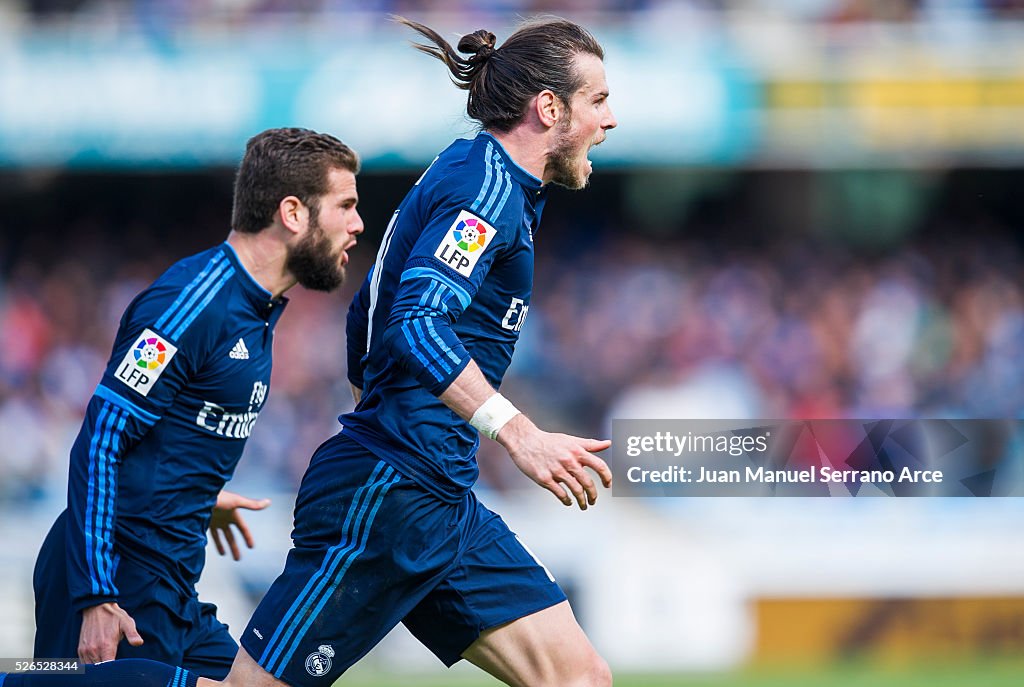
(263, 257)
(526, 147)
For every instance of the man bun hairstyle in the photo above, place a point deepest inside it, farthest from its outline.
(502, 80)
(285, 162)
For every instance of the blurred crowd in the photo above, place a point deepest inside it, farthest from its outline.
(234, 13)
(791, 329)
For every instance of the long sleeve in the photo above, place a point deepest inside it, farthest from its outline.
(448, 264)
(356, 325)
(144, 375)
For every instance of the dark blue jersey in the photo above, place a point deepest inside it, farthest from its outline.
(189, 373)
(452, 282)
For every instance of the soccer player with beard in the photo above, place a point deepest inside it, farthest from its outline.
(188, 376)
(387, 527)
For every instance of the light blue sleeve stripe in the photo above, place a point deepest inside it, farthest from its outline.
(434, 286)
(497, 187)
(427, 273)
(440, 342)
(107, 542)
(196, 295)
(504, 197)
(89, 521)
(206, 301)
(440, 304)
(188, 289)
(412, 345)
(120, 401)
(440, 301)
(425, 344)
(487, 178)
(105, 498)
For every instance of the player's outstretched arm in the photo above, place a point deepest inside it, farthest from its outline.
(556, 462)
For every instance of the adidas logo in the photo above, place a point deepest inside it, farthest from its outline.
(239, 351)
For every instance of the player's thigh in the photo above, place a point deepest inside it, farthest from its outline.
(369, 544)
(495, 581)
(546, 648)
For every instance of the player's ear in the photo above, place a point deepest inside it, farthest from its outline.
(549, 108)
(294, 214)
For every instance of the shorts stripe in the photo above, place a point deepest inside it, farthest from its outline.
(334, 556)
(337, 577)
(294, 615)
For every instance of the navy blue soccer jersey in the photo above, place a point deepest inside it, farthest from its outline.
(452, 282)
(189, 373)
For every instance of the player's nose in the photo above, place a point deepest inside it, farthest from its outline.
(609, 121)
(357, 225)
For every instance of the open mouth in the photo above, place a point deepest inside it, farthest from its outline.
(344, 252)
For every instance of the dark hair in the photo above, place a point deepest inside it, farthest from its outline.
(501, 81)
(285, 162)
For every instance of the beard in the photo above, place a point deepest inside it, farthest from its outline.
(313, 261)
(564, 160)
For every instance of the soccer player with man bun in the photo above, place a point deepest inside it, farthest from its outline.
(387, 528)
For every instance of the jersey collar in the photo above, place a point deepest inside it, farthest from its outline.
(525, 179)
(262, 299)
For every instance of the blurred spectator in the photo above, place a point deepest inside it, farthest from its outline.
(156, 16)
(787, 330)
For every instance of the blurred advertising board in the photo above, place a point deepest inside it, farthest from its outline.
(194, 102)
(699, 96)
(891, 630)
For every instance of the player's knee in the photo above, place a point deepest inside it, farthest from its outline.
(594, 672)
(600, 673)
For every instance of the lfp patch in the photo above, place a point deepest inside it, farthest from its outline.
(145, 361)
(465, 242)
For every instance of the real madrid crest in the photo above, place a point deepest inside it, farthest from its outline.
(318, 663)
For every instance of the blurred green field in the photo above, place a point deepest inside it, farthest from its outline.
(1001, 673)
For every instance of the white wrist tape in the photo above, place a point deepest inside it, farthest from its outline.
(492, 415)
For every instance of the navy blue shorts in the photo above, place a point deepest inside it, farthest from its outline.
(372, 549)
(177, 629)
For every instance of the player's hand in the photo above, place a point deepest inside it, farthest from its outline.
(556, 461)
(102, 629)
(225, 514)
